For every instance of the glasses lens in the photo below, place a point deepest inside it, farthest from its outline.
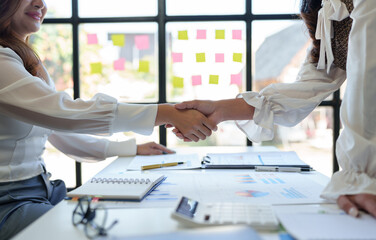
(80, 211)
(96, 227)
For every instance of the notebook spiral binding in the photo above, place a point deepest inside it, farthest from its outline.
(121, 180)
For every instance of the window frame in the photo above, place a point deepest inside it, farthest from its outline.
(161, 19)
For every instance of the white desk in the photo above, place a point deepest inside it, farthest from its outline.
(57, 223)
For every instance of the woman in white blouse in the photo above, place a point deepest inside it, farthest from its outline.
(354, 187)
(32, 112)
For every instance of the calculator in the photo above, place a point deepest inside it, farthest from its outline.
(194, 214)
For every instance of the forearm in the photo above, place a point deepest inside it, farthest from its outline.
(234, 109)
(164, 114)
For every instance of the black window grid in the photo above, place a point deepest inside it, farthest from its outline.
(161, 19)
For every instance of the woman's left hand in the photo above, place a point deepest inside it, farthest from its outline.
(152, 148)
(353, 203)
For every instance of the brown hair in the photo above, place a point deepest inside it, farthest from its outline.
(309, 11)
(8, 39)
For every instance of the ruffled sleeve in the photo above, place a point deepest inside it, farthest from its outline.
(356, 146)
(287, 104)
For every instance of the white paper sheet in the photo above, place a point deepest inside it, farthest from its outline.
(191, 161)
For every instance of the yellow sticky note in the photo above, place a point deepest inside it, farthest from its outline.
(219, 34)
(178, 82)
(213, 79)
(118, 39)
(183, 35)
(96, 68)
(144, 66)
(237, 57)
(200, 57)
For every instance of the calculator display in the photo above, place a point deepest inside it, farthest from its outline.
(187, 207)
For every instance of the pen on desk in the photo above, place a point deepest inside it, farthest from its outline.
(153, 166)
(281, 169)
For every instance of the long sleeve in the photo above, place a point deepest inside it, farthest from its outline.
(32, 100)
(356, 146)
(83, 147)
(287, 104)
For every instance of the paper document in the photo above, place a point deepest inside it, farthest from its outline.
(323, 223)
(191, 161)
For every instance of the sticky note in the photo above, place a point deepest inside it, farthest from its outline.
(200, 57)
(119, 64)
(142, 42)
(178, 82)
(118, 39)
(237, 57)
(213, 79)
(177, 57)
(96, 68)
(237, 34)
(144, 66)
(92, 38)
(236, 79)
(196, 80)
(219, 34)
(183, 35)
(219, 57)
(201, 34)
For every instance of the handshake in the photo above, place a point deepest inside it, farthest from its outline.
(195, 120)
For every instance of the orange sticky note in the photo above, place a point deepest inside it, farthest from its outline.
(178, 82)
(236, 79)
(144, 66)
(196, 80)
(237, 57)
(119, 64)
(213, 79)
(219, 57)
(118, 39)
(200, 57)
(142, 42)
(92, 38)
(183, 35)
(96, 68)
(219, 34)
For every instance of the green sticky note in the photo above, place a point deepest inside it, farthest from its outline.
(200, 57)
(144, 66)
(219, 34)
(118, 39)
(96, 68)
(183, 35)
(178, 82)
(237, 57)
(213, 79)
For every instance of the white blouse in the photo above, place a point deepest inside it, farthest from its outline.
(288, 104)
(32, 112)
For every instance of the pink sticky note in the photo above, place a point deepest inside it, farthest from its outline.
(92, 38)
(177, 57)
(236, 79)
(119, 64)
(142, 41)
(219, 57)
(201, 34)
(196, 80)
(237, 34)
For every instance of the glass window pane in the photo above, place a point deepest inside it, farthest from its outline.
(279, 48)
(57, 58)
(205, 7)
(275, 6)
(312, 139)
(117, 8)
(59, 9)
(205, 60)
(120, 60)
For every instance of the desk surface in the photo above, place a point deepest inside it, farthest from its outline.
(57, 223)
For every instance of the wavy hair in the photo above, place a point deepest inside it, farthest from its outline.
(30, 58)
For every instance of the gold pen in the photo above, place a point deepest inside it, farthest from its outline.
(153, 166)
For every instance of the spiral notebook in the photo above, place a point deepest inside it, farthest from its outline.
(130, 186)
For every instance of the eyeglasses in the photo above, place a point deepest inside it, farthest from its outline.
(93, 219)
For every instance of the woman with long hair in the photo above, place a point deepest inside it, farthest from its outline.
(343, 47)
(32, 112)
